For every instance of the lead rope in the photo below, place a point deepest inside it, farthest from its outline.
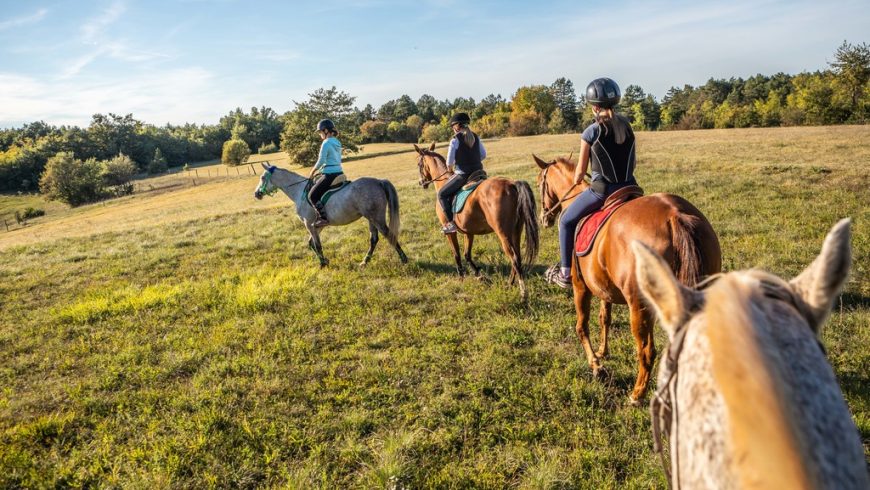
(663, 406)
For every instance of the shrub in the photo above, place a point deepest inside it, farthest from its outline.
(401, 133)
(72, 181)
(526, 123)
(490, 125)
(373, 131)
(235, 152)
(266, 148)
(557, 124)
(436, 132)
(21, 217)
(118, 174)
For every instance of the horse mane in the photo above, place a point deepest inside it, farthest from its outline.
(435, 155)
(764, 430)
(566, 161)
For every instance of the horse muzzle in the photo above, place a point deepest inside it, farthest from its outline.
(258, 195)
(424, 185)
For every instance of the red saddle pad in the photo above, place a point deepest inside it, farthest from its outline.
(588, 229)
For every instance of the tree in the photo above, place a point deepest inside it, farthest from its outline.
(158, 163)
(373, 131)
(526, 123)
(299, 138)
(235, 152)
(426, 107)
(534, 99)
(118, 173)
(852, 67)
(433, 133)
(566, 100)
(557, 124)
(72, 181)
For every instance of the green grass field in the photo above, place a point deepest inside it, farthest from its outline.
(185, 336)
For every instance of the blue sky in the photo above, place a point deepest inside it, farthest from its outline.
(195, 60)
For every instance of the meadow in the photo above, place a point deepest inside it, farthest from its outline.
(185, 336)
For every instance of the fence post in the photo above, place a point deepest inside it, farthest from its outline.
(252, 169)
(196, 172)
(237, 171)
(7, 225)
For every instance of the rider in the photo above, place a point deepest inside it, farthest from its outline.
(329, 166)
(608, 144)
(464, 158)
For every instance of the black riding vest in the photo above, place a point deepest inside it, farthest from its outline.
(468, 158)
(615, 162)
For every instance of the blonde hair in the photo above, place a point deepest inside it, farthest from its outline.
(610, 120)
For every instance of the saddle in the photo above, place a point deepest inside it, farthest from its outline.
(471, 184)
(588, 228)
(334, 187)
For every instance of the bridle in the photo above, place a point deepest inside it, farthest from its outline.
(267, 180)
(663, 407)
(423, 182)
(546, 212)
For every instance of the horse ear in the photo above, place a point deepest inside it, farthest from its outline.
(417, 148)
(820, 283)
(265, 165)
(432, 146)
(671, 300)
(540, 162)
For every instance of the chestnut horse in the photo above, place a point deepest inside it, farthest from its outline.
(746, 396)
(498, 204)
(668, 224)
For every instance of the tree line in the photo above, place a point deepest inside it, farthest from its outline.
(38, 156)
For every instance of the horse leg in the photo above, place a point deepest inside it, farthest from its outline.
(604, 319)
(454, 245)
(582, 301)
(373, 242)
(381, 225)
(314, 244)
(513, 253)
(469, 241)
(642, 330)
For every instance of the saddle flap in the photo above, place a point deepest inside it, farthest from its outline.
(341, 179)
(474, 179)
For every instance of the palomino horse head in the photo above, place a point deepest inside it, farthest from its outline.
(265, 186)
(428, 164)
(746, 395)
(555, 182)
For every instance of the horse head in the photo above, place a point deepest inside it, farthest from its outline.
(265, 186)
(555, 182)
(426, 164)
(746, 393)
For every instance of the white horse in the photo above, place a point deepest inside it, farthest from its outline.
(746, 395)
(364, 197)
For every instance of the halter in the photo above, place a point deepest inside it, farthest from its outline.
(663, 407)
(267, 180)
(546, 212)
(424, 183)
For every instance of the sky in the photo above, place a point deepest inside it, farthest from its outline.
(196, 60)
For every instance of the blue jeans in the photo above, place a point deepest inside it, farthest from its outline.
(586, 203)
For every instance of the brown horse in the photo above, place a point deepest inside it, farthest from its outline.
(497, 205)
(746, 396)
(668, 224)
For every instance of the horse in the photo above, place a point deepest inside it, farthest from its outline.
(364, 197)
(746, 396)
(669, 224)
(498, 205)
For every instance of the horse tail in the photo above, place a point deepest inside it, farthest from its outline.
(687, 250)
(395, 224)
(526, 212)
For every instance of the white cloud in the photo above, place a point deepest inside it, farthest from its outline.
(93, 28)
(20, 21)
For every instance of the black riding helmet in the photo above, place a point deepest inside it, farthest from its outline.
(326, 124)
(459, 118)
(603, 92)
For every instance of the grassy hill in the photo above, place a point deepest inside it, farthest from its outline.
(184, 336)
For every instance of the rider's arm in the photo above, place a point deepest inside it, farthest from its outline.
(451, 153)
(580, 172)
(321, 159)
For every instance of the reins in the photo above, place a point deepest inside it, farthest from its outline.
(420, 166)
(545, 213)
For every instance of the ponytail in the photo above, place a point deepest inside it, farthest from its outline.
(610, 120)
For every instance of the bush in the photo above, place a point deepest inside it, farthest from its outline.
(118, 174)
(401, 133)
(72, 181)
(235, 152)
(21, 217)
(373, 131)
(267, 148)
(436, 132)
(495, 124)
(526, 123)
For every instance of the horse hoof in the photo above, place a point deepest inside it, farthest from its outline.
(599, 373)
(634, 402)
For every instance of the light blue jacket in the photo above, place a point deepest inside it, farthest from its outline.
(329, 160)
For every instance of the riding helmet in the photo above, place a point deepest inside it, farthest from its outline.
(603, 92)
(325, 124)
(459, 118)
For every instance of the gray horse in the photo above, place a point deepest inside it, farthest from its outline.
(366, 197)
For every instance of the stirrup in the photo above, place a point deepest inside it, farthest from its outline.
(554, 276)
(449, 228)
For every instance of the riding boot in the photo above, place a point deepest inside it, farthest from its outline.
(321, 215)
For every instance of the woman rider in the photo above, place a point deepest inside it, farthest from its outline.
(464, 157)
(329, 166)
(608, 144)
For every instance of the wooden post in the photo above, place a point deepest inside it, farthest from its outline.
(7, 225)
(196, 172)
(252, 169)
(237, 171)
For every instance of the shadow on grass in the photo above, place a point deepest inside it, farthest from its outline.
(853, 301)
